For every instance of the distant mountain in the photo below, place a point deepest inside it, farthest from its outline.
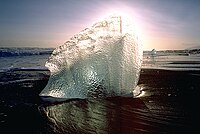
(188, 51)
(192, 48)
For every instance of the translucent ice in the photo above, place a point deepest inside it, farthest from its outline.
(100, 61)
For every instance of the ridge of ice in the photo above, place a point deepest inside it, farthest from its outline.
(100, 61)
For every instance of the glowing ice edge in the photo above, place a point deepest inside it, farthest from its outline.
(100, 61)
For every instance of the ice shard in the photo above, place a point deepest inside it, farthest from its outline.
(101, 61)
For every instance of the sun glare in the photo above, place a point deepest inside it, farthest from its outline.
(126, 16)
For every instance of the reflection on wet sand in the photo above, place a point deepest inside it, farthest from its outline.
(112, 115)
(168, 104)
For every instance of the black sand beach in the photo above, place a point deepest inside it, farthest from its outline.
(169, 105)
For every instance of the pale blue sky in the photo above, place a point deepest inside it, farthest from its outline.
(164, 24)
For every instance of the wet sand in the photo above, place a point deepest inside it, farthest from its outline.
(169, 104)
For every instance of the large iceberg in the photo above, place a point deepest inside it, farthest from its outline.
(100, 61)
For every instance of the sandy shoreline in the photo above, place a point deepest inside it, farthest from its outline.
(169, 105)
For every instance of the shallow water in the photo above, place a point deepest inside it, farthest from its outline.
(172, 62)
(35, 60)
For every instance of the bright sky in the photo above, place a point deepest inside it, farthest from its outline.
(163, 24)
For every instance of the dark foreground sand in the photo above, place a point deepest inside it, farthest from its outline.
(170, 104)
